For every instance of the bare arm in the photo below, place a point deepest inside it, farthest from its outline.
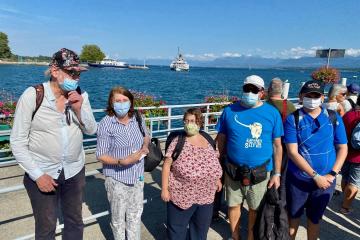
(131, 159)
(221, 143)
(341, 153)
(278, 152)
(165, 195)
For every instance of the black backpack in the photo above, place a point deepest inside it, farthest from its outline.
(181, 135)
(155, 155)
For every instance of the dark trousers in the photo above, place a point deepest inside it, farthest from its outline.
(198, 217)
(70, 195)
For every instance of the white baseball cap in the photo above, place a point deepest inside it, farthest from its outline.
(255, 80)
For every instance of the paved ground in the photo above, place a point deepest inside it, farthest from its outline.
(16, 217)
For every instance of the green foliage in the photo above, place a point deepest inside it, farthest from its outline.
(326, 75)
(4, 46)
(219, 99)
(145, 100)
(91, 53)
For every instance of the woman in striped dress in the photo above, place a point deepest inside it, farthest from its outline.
(121, 148)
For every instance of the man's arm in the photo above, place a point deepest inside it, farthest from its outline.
(277, 156)
(221, 144)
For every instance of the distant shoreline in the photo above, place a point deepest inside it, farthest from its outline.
(24, 63)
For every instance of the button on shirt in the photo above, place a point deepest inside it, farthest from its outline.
(47, 144)
(119, 141)
(316, 139)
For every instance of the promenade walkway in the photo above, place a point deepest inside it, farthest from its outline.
(16, 219)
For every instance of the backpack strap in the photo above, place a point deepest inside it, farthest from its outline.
(39, 98)
(284, 110)
(139, 121)
(352, 103)
(296, 118)
(209, 139)
(179, 146)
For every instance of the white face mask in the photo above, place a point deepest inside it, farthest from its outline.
(312, 103)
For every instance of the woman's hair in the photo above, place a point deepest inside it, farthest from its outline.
(335, 90)
(197, 113)
(123, 91)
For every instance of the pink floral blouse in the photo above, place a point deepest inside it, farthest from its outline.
(193, 175)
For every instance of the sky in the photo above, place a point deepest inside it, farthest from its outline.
(204, 30)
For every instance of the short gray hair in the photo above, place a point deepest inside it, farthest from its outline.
(276, 86)
(335, 89)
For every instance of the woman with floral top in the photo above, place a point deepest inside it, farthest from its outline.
(189, 183)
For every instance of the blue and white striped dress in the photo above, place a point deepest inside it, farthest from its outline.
(119, 141)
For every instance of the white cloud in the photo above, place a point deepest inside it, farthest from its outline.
(229, 54)
(352, 52)
(298, 52)
(201, 57)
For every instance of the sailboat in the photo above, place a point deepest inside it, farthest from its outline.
(179, 64)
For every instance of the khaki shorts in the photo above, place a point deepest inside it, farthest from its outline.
(236, 193)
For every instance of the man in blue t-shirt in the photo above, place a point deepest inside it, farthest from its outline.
(316, 146)
(250, 136)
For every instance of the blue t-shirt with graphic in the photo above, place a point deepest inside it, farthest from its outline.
(250, 133)
(316, 139)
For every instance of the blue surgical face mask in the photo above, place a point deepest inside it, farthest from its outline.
(69, 85)
(121, 108)
(250, 99)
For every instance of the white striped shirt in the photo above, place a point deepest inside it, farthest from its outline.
(119, 141)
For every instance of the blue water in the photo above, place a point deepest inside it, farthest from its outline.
(173, 87)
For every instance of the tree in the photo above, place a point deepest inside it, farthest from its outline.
(91, 53)
(4, 46)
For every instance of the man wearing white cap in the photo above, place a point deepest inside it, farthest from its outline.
(249, 141)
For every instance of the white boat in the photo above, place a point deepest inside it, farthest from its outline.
(179, 64)
(107, 62)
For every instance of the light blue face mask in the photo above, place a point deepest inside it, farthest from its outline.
(250, 99)
(69, 85)
(121, 108)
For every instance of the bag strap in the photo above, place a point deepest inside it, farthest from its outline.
(179, 146)
(296, 118)
(284, 110)
(139, 121)
(332, 117)
(39, 98)
(208, 138)
(352, 103)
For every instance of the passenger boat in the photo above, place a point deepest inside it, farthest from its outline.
(107, 62)
(179, 64)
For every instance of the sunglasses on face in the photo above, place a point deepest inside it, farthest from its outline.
(313, 95)
(342, 94)
(251, 88)
(72, 73)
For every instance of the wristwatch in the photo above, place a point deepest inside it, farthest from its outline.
(333, 173)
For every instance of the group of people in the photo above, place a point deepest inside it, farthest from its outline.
(260, 145)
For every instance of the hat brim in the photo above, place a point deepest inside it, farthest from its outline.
(312, 91)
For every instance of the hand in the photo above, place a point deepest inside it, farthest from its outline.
(218, 185)
(329, 178)
(75, 99)
(46, 183)
(274, 181)
(144, 150)
(165, 195)
(322, 182)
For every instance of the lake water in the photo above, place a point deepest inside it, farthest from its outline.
(173, 87)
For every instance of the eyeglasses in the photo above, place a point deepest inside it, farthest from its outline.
(251, 88)
(187, 121)
(68, 114)
(72, 73)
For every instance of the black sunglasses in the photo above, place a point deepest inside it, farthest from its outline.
(251, 88)
(72, 73)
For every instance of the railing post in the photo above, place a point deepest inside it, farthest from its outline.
(207, 118)
(169, 120)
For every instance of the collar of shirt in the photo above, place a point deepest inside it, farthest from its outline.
(114, 120)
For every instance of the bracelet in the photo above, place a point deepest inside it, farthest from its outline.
(277, 174)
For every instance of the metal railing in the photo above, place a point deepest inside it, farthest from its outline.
(158, 126)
